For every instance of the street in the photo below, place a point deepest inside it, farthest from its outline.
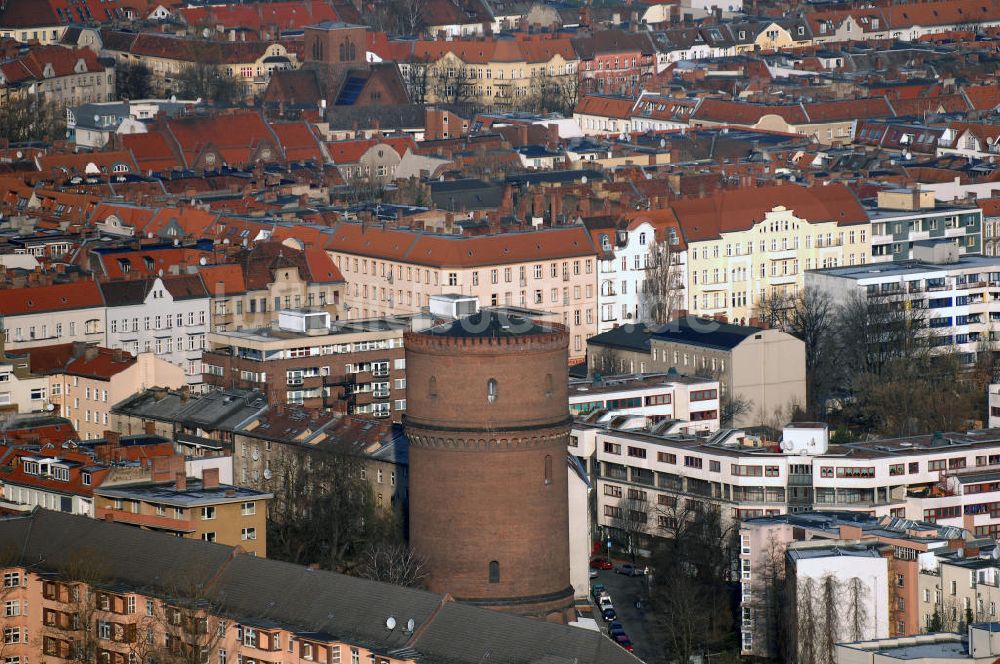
(637, 622)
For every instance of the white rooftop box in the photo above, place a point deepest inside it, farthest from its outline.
(304, 321)
(453, 305)
(805, 438)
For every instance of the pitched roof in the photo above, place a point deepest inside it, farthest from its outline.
(730, 210)
(289, 15)
(942, 12)
(298, 141)
(52, 297)
(741, 113)
(350, 609)
(461, 251)
(153, 151)
(608, 107)
(223, 279)
(76, 360)
(235, 135)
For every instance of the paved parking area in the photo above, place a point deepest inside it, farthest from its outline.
(638, 623)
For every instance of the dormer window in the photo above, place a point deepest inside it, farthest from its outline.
(86, 479)
(30, 467)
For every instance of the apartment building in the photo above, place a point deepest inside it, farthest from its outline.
(745, 245)
(903, 217)
(499, 73)
(61, 479)
(40, 314)
(624, 254)
(392, 272)
(142, 574)
(167, 315)
(911, 548)
(946, 479)
(651, 397)
(766, 368)
(61, 76)
(356, 367)
(955, 294)
(189, 507)
(83, 382)
(259, 281)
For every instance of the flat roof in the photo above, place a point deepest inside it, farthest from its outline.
(631, 383)
(909, 267)
(194, 494)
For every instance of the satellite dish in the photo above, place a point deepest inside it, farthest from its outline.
(160, 273)
(19, 154)
(390, 623)
(409, 625)
(97, 118)
(51, 407)
(267, 473)
(663, 142)
(202, 261)
(583, 180)
(225, 240)
(207, 33)
(150, 235)
(173, 97)
(786, 445)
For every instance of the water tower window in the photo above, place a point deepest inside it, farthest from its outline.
(491, 390)
(432, 388)
(548, 469)
(494, 571)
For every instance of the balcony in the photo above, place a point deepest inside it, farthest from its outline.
(146, 520)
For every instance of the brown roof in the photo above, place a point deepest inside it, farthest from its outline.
(732, 210)
(741, 113)
(462, 251)
(609, 107)
(53, 297)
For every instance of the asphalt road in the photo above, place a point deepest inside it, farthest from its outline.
(637, 622)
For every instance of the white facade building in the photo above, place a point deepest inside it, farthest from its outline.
(165, 315)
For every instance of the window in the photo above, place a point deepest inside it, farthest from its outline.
(548, 469)
(491, 390)
(636, 452)
(11, 579)
(249, 509)
(207, 513)
(12, 608)
(494, 571)
(666, 457)
(249, 534)
(612, 448)
(692, 462)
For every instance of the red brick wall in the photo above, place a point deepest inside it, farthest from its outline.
(478, 485)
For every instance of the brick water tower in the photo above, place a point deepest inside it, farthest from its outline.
(488, 423)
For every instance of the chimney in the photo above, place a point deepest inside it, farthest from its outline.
(117, 355)
(210, 478)
(112, 439)
(181, 481)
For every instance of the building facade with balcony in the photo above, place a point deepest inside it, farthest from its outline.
(652, 397)
(904, 218)
(624, 263)
(356, 367)
(948, 479)
(166, 315)
(746, 245)
(955, 296)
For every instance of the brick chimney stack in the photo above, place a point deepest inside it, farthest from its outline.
(181, 481)
(210, 478)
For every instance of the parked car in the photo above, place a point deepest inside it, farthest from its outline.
(623, 641)
(594, 573)
(597, 589)
(604, 602)
(628, 569)
(615, 628)
(601, 563)
(609, 614)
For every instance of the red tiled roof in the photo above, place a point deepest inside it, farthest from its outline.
(848, 109)
(195, 221)
(741, 113)
(730, 210)
(941, 12)
(461, 251)
(75, 485)
(223, 279)
(234, 135)
(298, 141)
(52, 297)
(150, 262)
(130, 215)
(608, 107)
(983, 97)
(92, 362)
(284, 15)
(153, 152)
(85, 162)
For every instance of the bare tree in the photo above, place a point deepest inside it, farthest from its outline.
(323, 511)
(631, 521)
(30, 117)
(733, 408)
(393, 562)
(662, 290)
(552, 94)
(769, 605)
(417, 78)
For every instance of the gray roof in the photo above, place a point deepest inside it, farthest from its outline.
(193, 495)
(221, 409)
(491, 324)
(690, 330)
(260, 591)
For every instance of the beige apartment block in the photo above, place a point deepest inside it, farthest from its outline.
(747, 245)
